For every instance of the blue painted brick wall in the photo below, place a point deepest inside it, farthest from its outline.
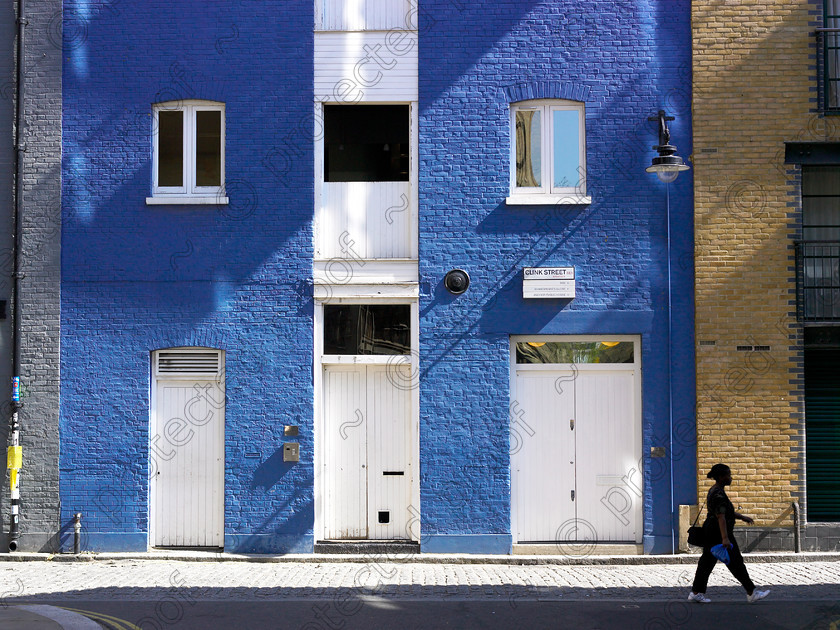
(137, 278)
(625, 60)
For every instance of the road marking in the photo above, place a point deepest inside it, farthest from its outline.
(66, 618)
(120, 624)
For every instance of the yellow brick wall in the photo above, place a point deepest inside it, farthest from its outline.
(752, 84)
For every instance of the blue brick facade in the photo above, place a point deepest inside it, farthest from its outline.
(625, 61)
(138, 278)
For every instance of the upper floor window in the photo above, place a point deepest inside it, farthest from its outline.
(548, 152)
(188, 164)
(366, 143)
(829, 56)
(818, 253)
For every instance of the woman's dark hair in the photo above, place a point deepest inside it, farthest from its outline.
(718, 471)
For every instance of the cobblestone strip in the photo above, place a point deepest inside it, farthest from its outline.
(145, 580)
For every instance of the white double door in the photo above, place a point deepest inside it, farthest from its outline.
(366, 459)
(575, 450)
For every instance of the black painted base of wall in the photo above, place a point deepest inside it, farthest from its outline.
(32, 543)
(814, 537)
(391, 547)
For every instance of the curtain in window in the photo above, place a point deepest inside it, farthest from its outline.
(832, 53)
(528, 136)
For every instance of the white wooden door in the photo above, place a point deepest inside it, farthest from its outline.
(367, 471)
(608, 440)
(187, 484)
(543, 459)
(389, 440)
(345, 452)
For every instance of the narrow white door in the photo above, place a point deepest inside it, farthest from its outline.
(543, 455)
(609, 490)
(187, 460)
(345, 452)
(367, 471)
(389, 440)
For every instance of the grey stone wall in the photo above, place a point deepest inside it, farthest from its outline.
(7, 159)
(41, 246)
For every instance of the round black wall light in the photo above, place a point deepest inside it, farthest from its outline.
(457, 281)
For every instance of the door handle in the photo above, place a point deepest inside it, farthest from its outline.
(573, 495)
(571, 424)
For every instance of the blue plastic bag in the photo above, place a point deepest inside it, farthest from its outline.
(721, 553)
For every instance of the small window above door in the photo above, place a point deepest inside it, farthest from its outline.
(367, 329)
(574, 352)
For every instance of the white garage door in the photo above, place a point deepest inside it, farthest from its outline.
(576, 440)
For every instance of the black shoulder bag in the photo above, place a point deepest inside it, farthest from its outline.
(695, 533)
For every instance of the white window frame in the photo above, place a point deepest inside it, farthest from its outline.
(189, 193)
(548, 193)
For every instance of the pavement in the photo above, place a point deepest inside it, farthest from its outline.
(28, 580)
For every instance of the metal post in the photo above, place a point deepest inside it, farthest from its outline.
(797, 538)
(77, 532)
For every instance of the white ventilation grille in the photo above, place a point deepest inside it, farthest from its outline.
(198, 362)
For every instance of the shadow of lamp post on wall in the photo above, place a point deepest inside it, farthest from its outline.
(667, 166)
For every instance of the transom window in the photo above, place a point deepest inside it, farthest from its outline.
(188, 152)
(367, 329)
(548, 152)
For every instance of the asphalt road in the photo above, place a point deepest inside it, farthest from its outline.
(465, 614)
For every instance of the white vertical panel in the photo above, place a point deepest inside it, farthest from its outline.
(608, 442)
(346, 71)
(187, 488)
(345, 452)
(389, 435)
(543, 455)
(364, 220)
(359, 15)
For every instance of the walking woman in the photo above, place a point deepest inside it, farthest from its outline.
(718, 529)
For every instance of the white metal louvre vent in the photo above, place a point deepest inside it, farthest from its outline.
(199, 362)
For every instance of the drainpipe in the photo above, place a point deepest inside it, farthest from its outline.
(670, 373)
(14, 453)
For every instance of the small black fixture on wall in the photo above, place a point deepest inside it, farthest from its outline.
(457, 281)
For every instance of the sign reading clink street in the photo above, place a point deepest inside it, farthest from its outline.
(548, 282)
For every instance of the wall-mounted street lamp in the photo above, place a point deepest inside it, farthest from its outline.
(667, 165)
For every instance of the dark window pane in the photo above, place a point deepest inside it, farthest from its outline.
(170, 148)
(366, 143)
(208, 148)
(367, 329)
(574, 352)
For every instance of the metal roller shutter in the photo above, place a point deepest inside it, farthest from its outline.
(822, 427)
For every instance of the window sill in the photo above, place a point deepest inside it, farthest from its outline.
(548, 200)
(173, 200)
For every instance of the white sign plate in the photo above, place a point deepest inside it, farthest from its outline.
(548, 282)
